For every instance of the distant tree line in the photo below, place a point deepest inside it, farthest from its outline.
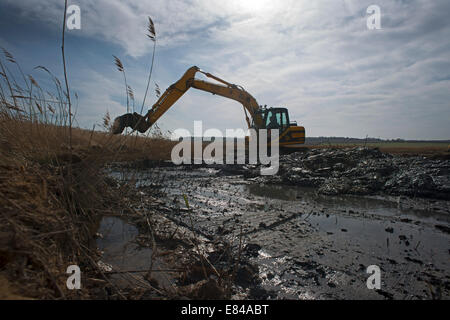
(347, 140)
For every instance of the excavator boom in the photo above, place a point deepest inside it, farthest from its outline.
(176, 90)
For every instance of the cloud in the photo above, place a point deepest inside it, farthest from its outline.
(124, 22)
(331, 71)
(315, 57)
(95, 103)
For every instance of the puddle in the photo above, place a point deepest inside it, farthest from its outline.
(357, 218)
(397, 206)
(367, 230)
(123, 255)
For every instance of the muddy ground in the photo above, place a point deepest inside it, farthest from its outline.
(295, 240)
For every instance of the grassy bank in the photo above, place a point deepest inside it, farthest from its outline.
(52, 197)
(53, 192)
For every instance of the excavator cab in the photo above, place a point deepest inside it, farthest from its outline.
(276, 118)
(292, 136)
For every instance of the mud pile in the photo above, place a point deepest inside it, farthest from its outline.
(363, 171)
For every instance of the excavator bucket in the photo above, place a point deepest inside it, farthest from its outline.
(132, 120)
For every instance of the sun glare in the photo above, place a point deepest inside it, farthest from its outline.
(255, 6)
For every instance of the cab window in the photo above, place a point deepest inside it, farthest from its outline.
(284, 120)
(269, 115)
(273, 120)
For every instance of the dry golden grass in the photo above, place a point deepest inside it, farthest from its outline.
(416, 149)
(52, 197)
(38, 141)
(52, 190)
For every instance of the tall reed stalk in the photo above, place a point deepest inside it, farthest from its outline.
(152, 35)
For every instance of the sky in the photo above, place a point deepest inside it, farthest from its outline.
(318, 58)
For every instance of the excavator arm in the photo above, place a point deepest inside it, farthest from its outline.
(176, 90)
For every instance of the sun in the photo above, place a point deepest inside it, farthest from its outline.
(255, 6)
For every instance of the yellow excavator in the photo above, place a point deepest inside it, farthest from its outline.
(291, 136)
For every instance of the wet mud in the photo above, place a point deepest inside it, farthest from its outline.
(299, 242)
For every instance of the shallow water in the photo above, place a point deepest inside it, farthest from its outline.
(314, 246)
(121, 254)
(355, 232)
